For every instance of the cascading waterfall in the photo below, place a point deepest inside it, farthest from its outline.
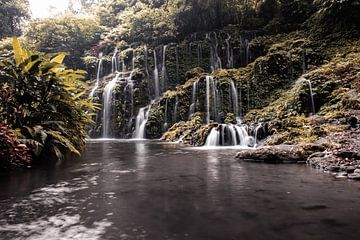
(208, 79)
(175, 115)
(256, 134)
(229, 135)
(247, 51)
(129, 91)
(107, 103)
(166, 124)
(140, 123)
(199, 53)
(304, 60)
(229, 54)
(156, 77)
(235, 100)
(177, 63)
(311, 96)
(194, 99)
(99, 70)
(114, 62)
(215, 60)
(164, 71)
(212, 92)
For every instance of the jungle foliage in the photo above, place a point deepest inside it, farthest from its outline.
(43, 102)
(12, 15)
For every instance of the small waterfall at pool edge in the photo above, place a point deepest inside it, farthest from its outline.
(140, 124)
(107, 102)
(231, 135)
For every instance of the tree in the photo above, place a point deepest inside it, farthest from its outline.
(69, 34)
(12, 15)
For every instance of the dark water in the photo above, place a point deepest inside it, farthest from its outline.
(150, 190)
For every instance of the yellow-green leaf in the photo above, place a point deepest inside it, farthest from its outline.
(58, 59)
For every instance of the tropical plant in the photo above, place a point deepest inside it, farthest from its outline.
(12, 152)
(43, 101)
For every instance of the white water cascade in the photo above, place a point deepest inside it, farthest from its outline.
(311, 96)
(164, 71)
(107, 103)
(230, 135)
(194, 99)
(212, 93)
(215, 59)
(114, 62)
(99, 70)
(156, 77)
(229, 53)
(235, 100)
(175, 115)
(140, 124)
(166, 124)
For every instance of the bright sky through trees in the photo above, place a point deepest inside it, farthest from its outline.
(49, 8)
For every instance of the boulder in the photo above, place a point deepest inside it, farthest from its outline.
(274, 154)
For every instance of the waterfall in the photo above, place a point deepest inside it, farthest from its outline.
(229, 55)
(176, 109)
(311, 96)
(208, 79)
(177, 64)
(303, 60)
(247, 51)
(212, 93)
(156, 76)
(133, 60)
(141, 120)
(256, 134)
(99, 70)
(146, 62)
(193, 99)
(215, 60)
(165, 127)
(235, 100)
(190, 55)
(114, 62)
(199, 54)
(129, 88)
(107, 103)
(164, 71)
(229, 135)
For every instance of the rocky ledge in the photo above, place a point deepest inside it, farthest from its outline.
(339, 154)
(342, 158)
(274, 154)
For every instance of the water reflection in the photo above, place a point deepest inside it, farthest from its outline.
(149, 190)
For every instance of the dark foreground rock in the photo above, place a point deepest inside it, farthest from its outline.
(274, 154)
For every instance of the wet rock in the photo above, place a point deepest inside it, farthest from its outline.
(354, 176)
(332, 168)
(341, 175)
(357, 171)
(274, 154)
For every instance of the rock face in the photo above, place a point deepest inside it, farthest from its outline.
(274, 154)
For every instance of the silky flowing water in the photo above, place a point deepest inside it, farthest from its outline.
(152, 190)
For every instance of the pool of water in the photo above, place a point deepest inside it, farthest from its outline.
(152, 190)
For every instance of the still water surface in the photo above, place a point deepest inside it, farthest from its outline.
(156, 191)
